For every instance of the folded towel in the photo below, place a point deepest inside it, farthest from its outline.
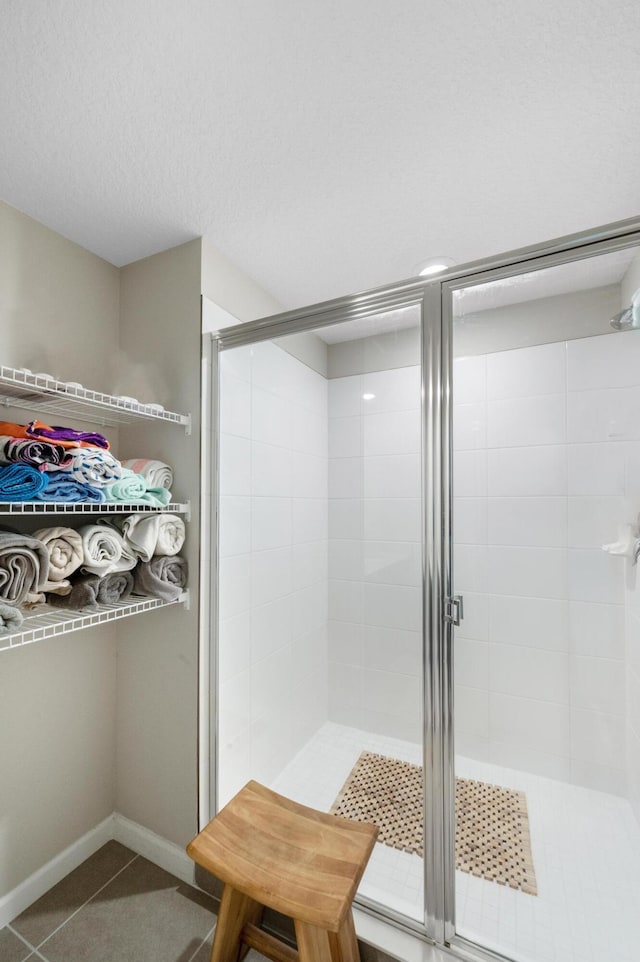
(10, 619)
(105, 550)
(65, 549)
(115, 587)
(63, 487)
(21, 482)
(24, 566)
(89, 591)
(92, 466)
(66, 437)
(157, 474)
(151, 534)
(35, 453)
(162, 577)
(56, 432)
(132, 488)
(54, 588)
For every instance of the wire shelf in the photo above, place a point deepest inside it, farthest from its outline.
(19, 389)
(80, 508)
(46, 622)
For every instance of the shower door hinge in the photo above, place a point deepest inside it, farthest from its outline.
(454, 610)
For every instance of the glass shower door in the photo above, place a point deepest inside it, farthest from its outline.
(546, 503)
(320, 631)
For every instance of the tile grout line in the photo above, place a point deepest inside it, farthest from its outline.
(212, 930)
(32, 948)
(86, 902)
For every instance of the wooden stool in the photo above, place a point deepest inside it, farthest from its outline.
(270, 851)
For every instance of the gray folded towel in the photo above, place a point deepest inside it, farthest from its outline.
(24, 566)
(164, 577)
(10, 618)
(89, 591)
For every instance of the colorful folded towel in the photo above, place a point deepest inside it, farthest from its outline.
(162, 577)
(151, 534)
(157, 474)
(10, 618)
(92, 466)
(132, 488)
(36, 453)
(62, 487)
(104, 550)
(66, 553)
(89, 591)
(24, 567)
(67, 437)
(21, 482)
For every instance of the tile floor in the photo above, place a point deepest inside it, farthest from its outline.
(586, 852)
(119, 907)
(115, 907)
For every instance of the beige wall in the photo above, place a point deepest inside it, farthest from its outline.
(540, 321)
(630, 282)
(59, 312)
(58, 303)
(226, 285)
(106, 719)
(157, 720)
(157, 690)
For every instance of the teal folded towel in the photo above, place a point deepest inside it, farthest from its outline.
(21, 482)
(132, 488)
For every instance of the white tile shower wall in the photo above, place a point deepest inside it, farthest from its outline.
(546, 467)
(273, 559)
(374, 552)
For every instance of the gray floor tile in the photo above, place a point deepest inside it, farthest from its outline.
(143, 915)
(12, 949)
(50, 911)
(204, 953)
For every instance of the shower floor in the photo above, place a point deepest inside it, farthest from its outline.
(586, 852)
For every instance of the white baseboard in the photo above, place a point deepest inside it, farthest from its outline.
(172, 858)
(23, 895)
(141, 840)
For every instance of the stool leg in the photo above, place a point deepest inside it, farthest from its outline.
(313, 943)
(344, 944)
(236, 909)
(319, 945)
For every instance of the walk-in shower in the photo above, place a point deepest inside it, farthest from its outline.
(477, 435)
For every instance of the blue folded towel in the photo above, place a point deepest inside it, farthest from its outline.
(21, 482)
(64, 487)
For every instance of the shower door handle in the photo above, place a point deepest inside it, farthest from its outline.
(454, 610)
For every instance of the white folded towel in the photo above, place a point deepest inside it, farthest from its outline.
(3, 442)
(66, 554)
(105, 550)
(152, 534)
(91, 466)
(157, 474)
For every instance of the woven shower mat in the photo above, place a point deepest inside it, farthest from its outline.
(492, 824)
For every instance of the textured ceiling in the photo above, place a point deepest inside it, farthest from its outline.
(328, 146)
